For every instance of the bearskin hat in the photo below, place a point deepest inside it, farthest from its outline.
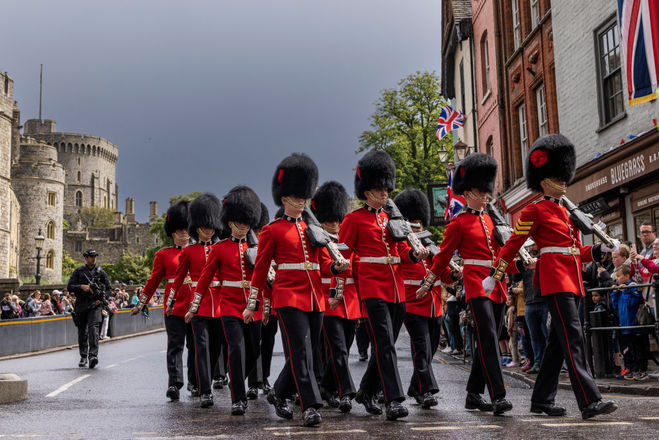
(265, 217)
(177, 217)
(296, 175)
(330, 203)
(375, 170)
(241, 205)
(553, 156)
(414, 205)
(478, 171)
(204, 212)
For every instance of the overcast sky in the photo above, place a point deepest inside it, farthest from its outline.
(204, 95)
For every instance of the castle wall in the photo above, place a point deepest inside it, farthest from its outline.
(7, 207)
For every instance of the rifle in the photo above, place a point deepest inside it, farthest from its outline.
(98, 294)
(585, 223)
(401, 229)
(434, 249)
(318, 237)
(503, 231)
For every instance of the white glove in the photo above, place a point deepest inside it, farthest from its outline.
(489, 284)
(605, 248)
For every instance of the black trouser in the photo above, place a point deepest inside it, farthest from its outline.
(435, 334)
(178, 334)
(384, 320)
(526, 334)
(89, 328)
(300, 334)
(260, 374)
(243, 345)
(423, 379)
(485, 367)
(221, 366)
(337, 332)
(207, 336)
(361, 335)
(565, 342)
(636, 349)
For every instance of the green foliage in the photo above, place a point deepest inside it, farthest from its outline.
(95, 217)
(129, 267)
(68, 266)
(404, 125)
(65, 224)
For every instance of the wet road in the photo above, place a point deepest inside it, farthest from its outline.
(124, 398)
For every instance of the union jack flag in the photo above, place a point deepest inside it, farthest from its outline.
(639, 28)
(454, 203)
(448, 120)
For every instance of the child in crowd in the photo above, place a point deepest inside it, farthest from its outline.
(46, 306)
(634, 343)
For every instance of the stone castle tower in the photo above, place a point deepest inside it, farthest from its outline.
(9, 206)
(90, 163)
(38, 180)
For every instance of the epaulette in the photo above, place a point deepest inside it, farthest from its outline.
(459, 213)
(224, 239)
(275, 220)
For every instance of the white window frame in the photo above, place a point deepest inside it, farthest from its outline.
(517, 27)
(486, 62)
(523, 130)
(535, 13)
(543, 123)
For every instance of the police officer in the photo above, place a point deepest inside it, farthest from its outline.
(89, 305)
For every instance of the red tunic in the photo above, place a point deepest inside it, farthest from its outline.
(473, 241)
(549, 224)
(348, 308)
(285, 242)
(226, 262)
(192, 262)
(365, 233)
(430, 306)
(164, 266)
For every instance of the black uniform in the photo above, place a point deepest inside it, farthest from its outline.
(87, 312)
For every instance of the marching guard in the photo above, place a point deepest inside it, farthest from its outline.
(330, 205)
(241, 210)
(179, 333)
(296, 292)
(470, 232)
(205, 227)
(421, 313)
(381, 286)
(550, 166)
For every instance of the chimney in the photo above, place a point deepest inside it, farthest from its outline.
(153, 211)
(130, 210)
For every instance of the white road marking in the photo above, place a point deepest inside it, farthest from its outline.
(550, 425)
(178, 437)
(163, 351)
(454, 427)
(649, 418)
(34, 435)
(68, 385)
(131, 359)
(110, 366)
(314, 432)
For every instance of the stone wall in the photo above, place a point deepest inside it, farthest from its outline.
(6, 119)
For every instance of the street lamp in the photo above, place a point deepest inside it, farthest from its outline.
(460, 149)
(443, 154)
(38, 244)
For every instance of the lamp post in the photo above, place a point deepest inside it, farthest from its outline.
(460, 149)
(443, 154)
(38, 244)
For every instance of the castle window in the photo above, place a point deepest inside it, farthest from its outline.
(78, 246)
(6, 84)
(78, 198)
(50, 230)
(79, 175)
(50, 259)
(78, 161)
(137, 240)
(52, 198)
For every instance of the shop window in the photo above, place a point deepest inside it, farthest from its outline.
(78, 198)
(609, 71)
(535, 13)
(517, 28)
(543, 124)
(50, 230)
(51, 198)
(50, 259)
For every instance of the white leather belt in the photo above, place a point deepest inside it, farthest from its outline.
(213, 284)
(298, 266)
(241, 284)
(171, 280)
(380, 260)
(419, 282)
(325, 280)
(350, 281)
(572, 250)
(484, 263)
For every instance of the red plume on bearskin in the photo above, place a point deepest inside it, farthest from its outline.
(414, 205)
(296, 175)
(375, 170)
(177, 217)
(330, 203)
(204, 212)
(552, 155)
(478, 170)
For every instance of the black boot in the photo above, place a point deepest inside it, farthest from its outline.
(428, 401)
(330, 398)
(501, 406)
(311, 417)
(266, 386)
(238, 408)
(218, 384)
(93, 361)
(252, 393)
(475, 401)
(172, 393)
(548, 408)
(368, 403)
(83, 362)
(206, 400)
(345, 405)
(395, 410)
(281, 407)
(598, 408)
(194, 391)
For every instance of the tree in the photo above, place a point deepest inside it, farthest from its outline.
(95, 217)
(129, 267)
(404, 125)
(68, 266)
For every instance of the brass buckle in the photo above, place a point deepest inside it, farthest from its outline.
(308, 265)
(574, 250)
(390, 260)
(244, 284)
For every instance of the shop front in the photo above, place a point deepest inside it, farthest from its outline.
(621, 187)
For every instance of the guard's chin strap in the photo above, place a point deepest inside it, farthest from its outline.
(295, 205)
(554, 185)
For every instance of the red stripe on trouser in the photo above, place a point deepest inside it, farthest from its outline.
(480, 349)
(567, 342)
(377, 359)
(416, 372)
(224, 330)
(331, 352)
(290, 360)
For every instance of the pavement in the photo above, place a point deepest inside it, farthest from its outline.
(124, 398)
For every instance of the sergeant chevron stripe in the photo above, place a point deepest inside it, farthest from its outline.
(523, 228)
